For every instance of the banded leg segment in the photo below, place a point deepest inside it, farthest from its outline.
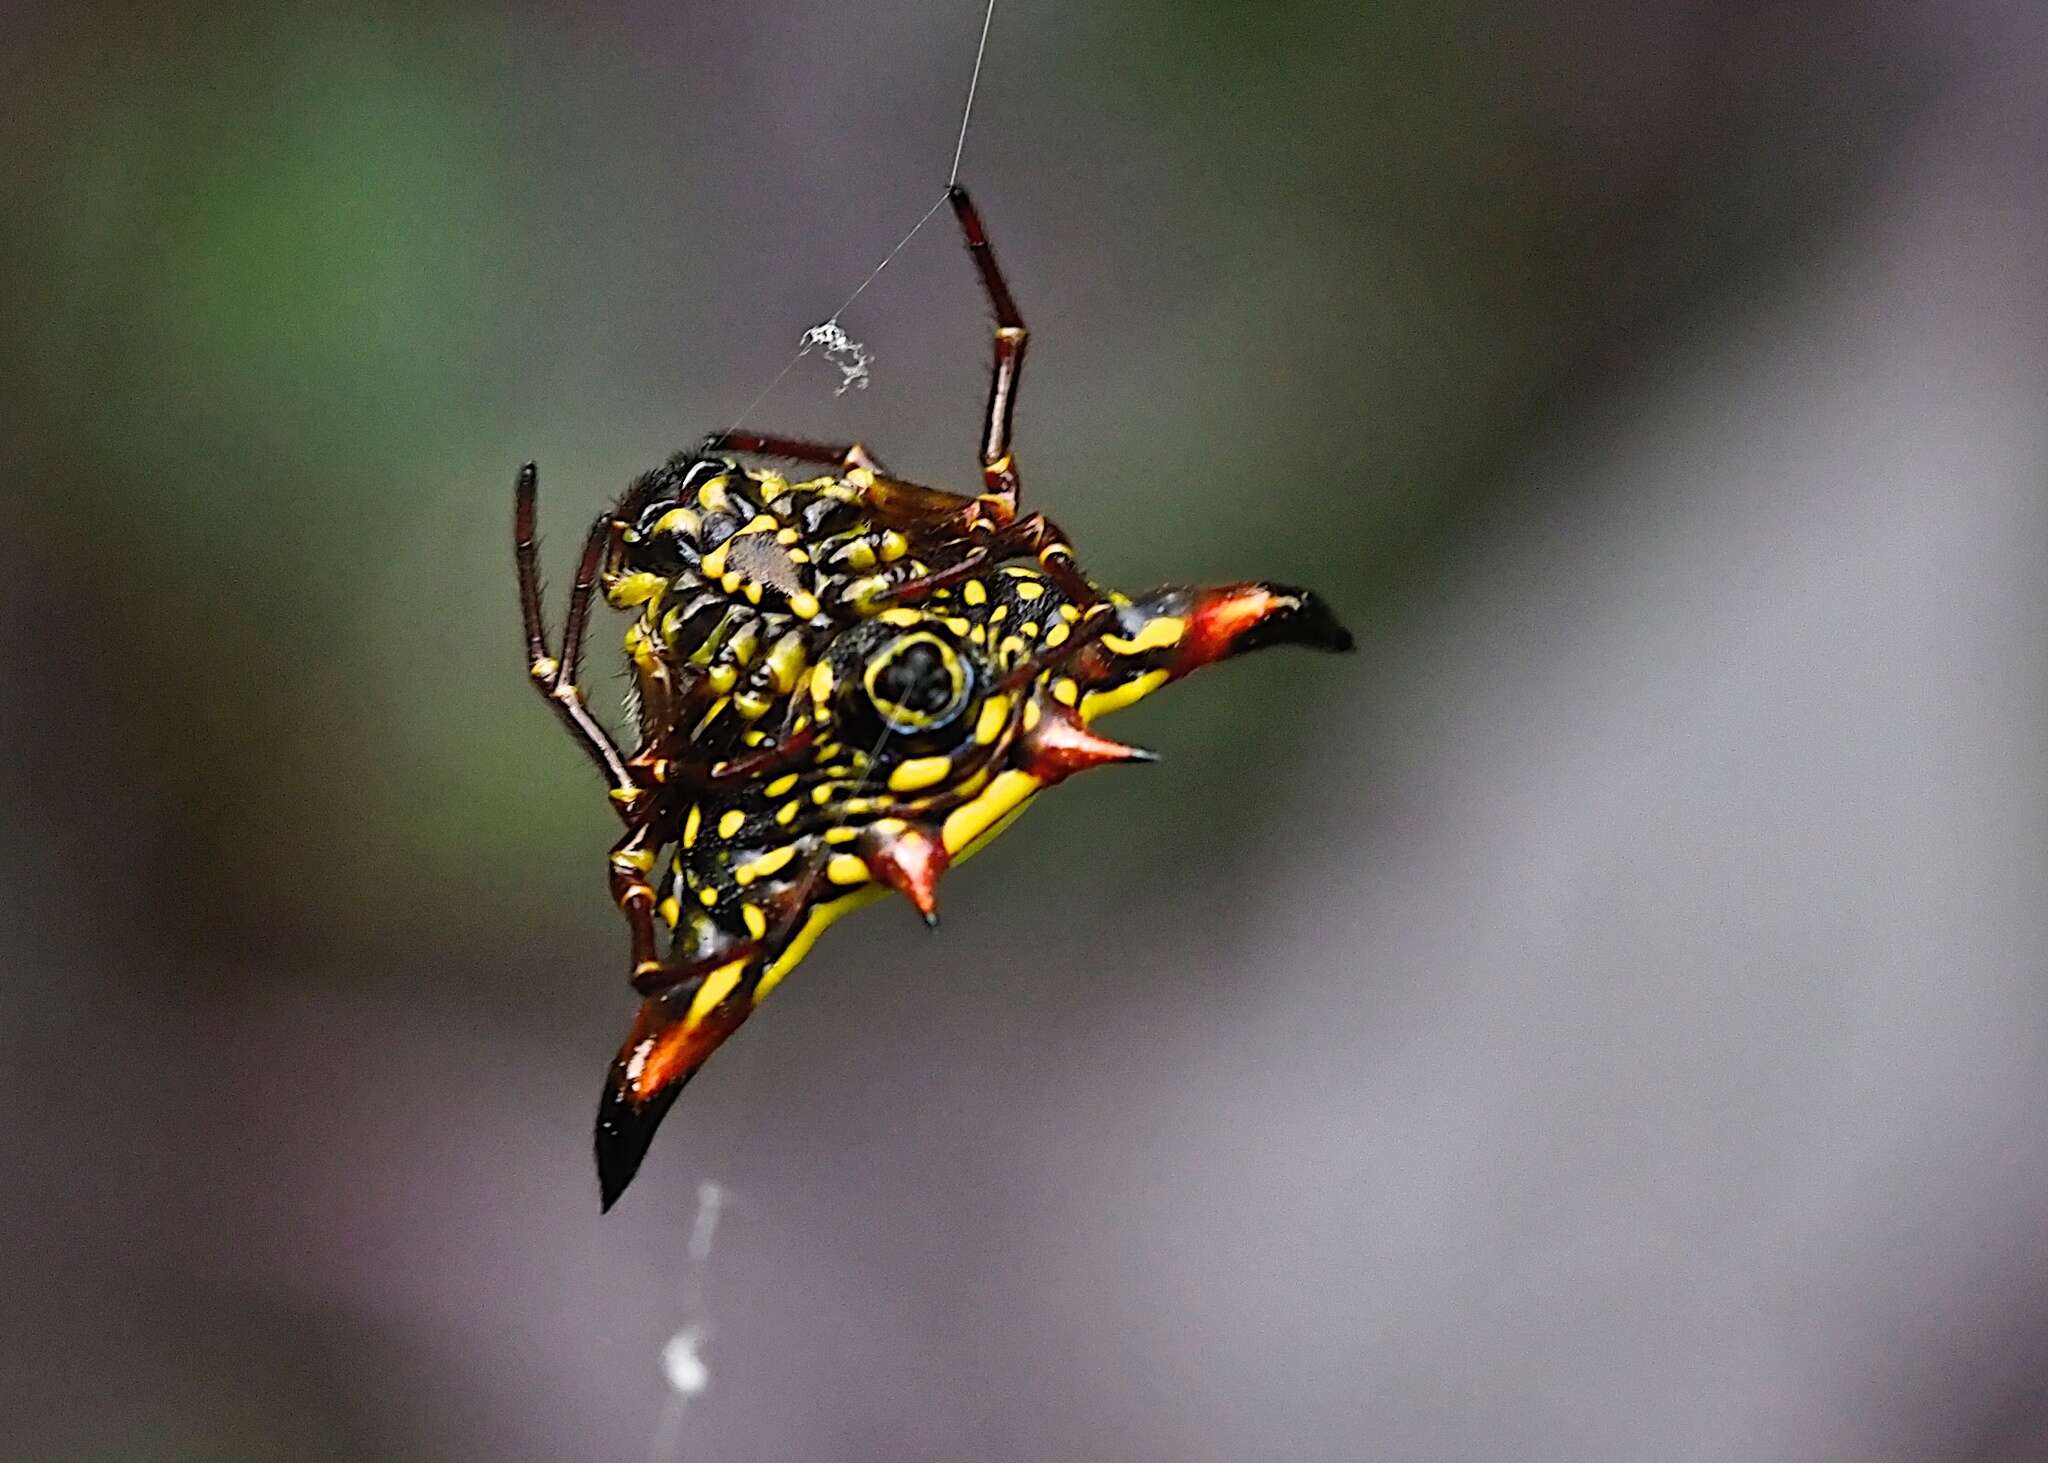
(555, 678)
(998, 463)
(632, 868)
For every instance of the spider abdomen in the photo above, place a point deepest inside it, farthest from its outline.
(842, 685)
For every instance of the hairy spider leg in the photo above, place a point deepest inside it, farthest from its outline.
(598, 545)
(892, 498)
(797, 449)
(998, 464)
(555, 678)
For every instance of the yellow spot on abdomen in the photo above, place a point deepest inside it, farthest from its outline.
(919, 772)
(995, 714)
(730, 822)
(768, 863)
(847, 868)
(1157, 635)
(1101, 703)
(1002, 797)
(717, 986)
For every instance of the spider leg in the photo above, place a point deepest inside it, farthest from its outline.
(597, 546)
(894, 498)
(556, 678)
(632, 861)
(768, 444)
(998, 464)
(714, 775)
(1034, 534)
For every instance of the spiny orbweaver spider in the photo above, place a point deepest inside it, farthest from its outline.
(842, 685)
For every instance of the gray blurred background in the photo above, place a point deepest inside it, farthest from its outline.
(1602, 1020)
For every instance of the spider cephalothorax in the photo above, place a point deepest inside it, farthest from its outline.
(843, 684)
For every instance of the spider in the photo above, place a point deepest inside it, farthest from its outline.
(841, 683)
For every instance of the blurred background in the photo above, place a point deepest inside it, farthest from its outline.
(1602, 1020)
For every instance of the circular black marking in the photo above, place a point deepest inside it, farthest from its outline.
(918, 682)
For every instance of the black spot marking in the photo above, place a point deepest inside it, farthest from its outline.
(916, 679)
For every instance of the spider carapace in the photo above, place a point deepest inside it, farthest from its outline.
(842, 682)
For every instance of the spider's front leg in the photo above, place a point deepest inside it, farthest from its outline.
(894, 497)
(998, 464)
(555, 677)
(797, 449)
